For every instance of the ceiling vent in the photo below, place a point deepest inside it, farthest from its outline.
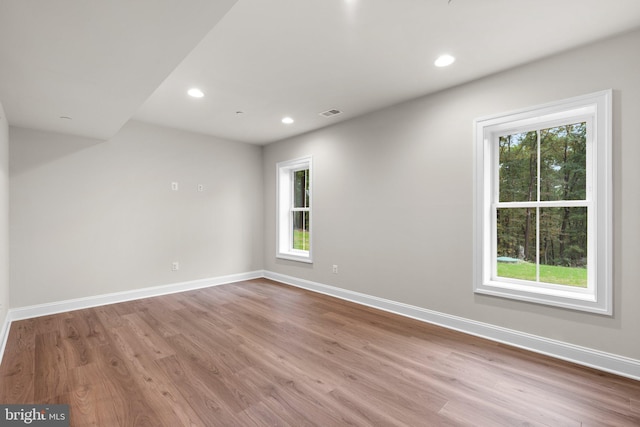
(330, 113)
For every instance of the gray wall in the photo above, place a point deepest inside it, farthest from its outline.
(91, 217)
(393, 197)
(4, 216)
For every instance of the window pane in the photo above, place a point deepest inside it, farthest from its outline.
(301, 230)
(516, 244)
(563, 246)
(563, 163)
(518, 167)
(301, 188)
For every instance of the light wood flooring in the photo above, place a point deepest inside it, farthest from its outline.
(258, 353)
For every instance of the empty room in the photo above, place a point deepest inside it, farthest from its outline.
(320, 212)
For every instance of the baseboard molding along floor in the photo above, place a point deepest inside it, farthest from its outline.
(600, 360)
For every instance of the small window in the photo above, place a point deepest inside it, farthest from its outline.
(543, 204)
(294, 210)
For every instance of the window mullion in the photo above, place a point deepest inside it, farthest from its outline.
(539, 154)
(304, 190)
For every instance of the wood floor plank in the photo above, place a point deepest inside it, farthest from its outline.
(219, 343)
(565, 392)
(164, 322)
(260, 353)
(477, 413)
(22, 336)
(287, 402)
(203, 397)
(17, 377)
(213, 370)
(18, 364)
(51, 370)
(124, 393)
(155, 386)
(109, 316)
(89, 399)
(359, 405)
(74, 340)
(90, 327)
(153, 341)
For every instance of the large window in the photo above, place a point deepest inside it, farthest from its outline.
(294, 210)
(543, 204)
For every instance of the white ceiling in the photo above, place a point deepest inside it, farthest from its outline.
(93, 61)
(102, 63)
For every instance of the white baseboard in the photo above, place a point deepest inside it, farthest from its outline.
(4, 334)
(600, 360)
(603, 361)
(98, 300)
(29, 312)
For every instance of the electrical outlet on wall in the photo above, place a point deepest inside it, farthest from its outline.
(175, 266)
(335, 269)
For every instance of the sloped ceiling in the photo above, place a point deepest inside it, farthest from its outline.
(85, 67)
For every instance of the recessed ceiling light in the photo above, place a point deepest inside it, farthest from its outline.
(444, 61)
(287, 120)
(195, 92)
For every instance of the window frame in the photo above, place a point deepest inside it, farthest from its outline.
(595, 109)
(285, 208)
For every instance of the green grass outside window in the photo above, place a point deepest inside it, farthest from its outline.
(570, 276)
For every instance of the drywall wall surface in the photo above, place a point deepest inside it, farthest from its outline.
(90, 217)
(4, 216)
(393, 197)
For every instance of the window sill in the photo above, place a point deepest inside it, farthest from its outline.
(292, 256)
(575, 300)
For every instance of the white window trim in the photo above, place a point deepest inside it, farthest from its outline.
(597, 298)
(284, 190)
